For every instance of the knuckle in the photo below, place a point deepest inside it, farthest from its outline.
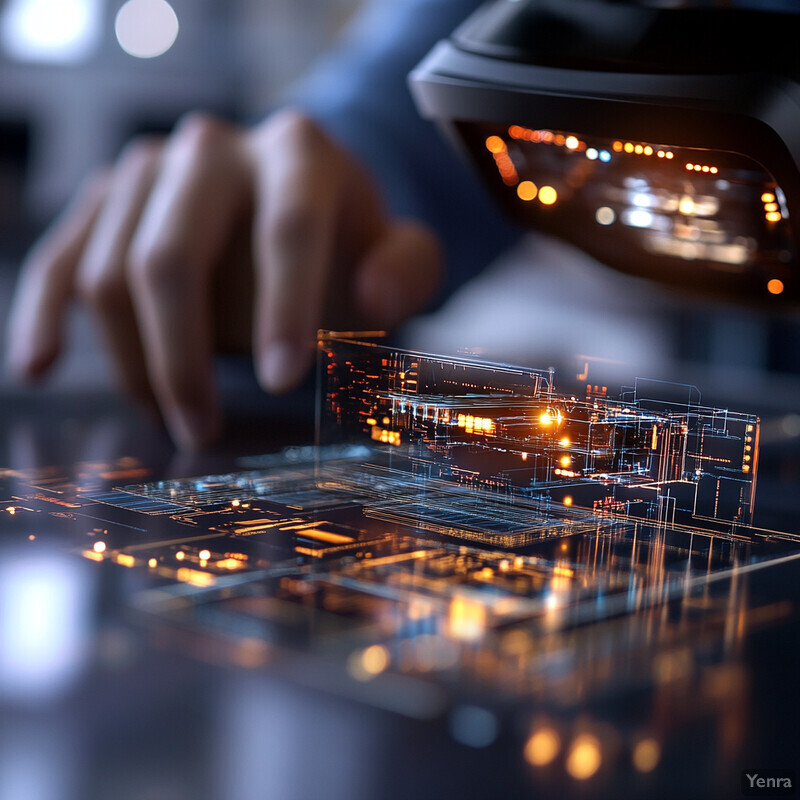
(294, 125)
(158, 267)
(200, 133)
(101, 290)
(140, 153)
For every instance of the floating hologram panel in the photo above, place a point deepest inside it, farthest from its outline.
(507, 435)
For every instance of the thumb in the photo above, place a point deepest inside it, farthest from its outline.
(399, 274)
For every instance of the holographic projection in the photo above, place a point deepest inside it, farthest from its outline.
(460, 530)
(540, 458)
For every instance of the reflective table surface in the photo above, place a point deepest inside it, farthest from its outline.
(115, 683)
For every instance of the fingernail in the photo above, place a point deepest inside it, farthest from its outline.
(282, 366)
(193, 428)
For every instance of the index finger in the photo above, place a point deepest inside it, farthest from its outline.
(46, 283)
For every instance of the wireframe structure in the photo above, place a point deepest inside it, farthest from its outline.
(512, 440)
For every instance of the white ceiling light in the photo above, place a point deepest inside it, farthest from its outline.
(146, 28)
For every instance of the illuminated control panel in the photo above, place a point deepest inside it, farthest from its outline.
(699, 218)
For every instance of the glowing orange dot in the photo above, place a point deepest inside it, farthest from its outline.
(771, 207)
(648, 151)
(767, 197)
(628, 147)
(99, 547)
(584, 757)
(617, 147)
(547, 195)
(660, 154)
(527, 190)
(705, 169)
(516, 132)
(773, 216)
(670, 155)
(690, 166)
(714, 170)
(494, 144)
(646, 755)
(775, 286)
(571, 142)
(542, 747)
(568, 500)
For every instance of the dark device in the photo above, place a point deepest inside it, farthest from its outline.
(665, 142)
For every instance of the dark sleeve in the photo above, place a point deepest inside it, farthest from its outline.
(359, 94)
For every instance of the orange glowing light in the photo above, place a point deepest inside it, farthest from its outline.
(648, 151)
(565, 442)
(565, 461)
(773, 216)
(628, 148)
(547, 195)
(571, 142)
(584, 757)
(494, 144)
(542, 747)
(195, 577)
(372, 421)
(527, 190)
(11, 510)
(125, 560)
(375, 659)
(670, 155)
(152, 563)
(661, 154)
(771, 207)
(714, 170)
(690, 166)
(646, 755)
(99, 547)
(204, 555)
(568, 500)
(767, 197)
(180, 555)
(775, 286)
(638, 149)
(617, 147)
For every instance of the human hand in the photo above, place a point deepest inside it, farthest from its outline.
(154, 247)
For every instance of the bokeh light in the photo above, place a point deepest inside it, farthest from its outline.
(146, 28)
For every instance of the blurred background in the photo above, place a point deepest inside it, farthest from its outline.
(78, 78)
